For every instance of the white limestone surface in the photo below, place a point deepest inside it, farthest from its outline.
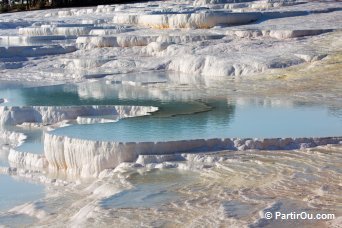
(3, 100)
(56, 31)
(210, 38)
(45, 115)
(279, 174)
(220, 39)
(88, 158)
(12, 138)
(187, 20)
(84, 158)
(33, 51)
(27, 160)
(48, 115)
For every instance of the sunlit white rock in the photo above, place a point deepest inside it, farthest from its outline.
(51, 30)
(53, 114)
(27, 159)
(32, 51)
(12, 138)
(31, 209)
(92, 120)
(186, 20)
(89, 158)
(3, 100)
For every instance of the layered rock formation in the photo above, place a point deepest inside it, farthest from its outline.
(169, 35)
(88, 158)
(48, 115)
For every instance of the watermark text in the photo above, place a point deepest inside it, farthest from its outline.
(277, 215)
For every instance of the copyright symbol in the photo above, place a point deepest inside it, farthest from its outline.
(268, 215)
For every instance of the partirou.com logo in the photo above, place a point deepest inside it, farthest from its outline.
(277, 215)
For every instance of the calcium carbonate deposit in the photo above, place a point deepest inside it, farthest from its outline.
(204, 113)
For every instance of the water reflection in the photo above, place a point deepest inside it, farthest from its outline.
(206, 109)
(224, 119)
(33, 142)
(236, 188)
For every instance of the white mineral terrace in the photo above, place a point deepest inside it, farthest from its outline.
(88, 158)
(265, 49)
(12, 138)
(211, 38)
(49, 115)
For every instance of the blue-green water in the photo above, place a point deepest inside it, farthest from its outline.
(33, 142)
(97, 93)
(183, 114)
(225, 120)
(16, 192)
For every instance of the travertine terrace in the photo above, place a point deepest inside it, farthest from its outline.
(279, 52)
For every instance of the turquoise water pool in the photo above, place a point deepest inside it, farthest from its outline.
(183, 113)
(223, 121)
(14, 192)
(33, 142)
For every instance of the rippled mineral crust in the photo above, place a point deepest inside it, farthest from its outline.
(209, 38)
(88, 158)
(218, 189)
(267, 48)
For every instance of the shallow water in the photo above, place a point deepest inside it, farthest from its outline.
(151, 189)
(227, 189)
(225, 120)
(189, 114)
(93, 93)
(14, 192)
(220, 189)
(4, 150)
(14, 220)
(33, 143)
